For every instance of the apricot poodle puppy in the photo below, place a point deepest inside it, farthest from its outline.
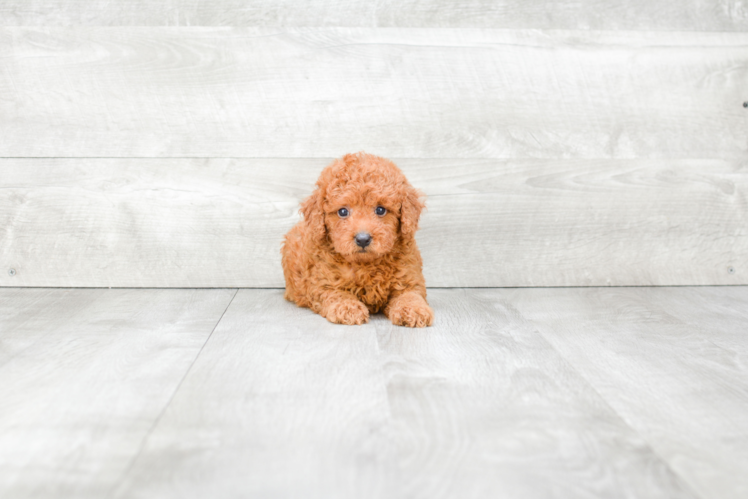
(355, 253)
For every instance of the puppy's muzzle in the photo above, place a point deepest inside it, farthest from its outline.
(363, 239)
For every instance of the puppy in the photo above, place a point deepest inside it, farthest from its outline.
(355, 253)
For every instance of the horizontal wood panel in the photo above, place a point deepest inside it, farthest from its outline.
(220, 222)
(696, 15)
(420, 93)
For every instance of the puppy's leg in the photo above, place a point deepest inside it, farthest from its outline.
(342, 307)
(409, 309)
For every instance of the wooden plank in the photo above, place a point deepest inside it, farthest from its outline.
(220, 222)
(17, 310)
(77, 403)
(724, 318)
(141, 223)
(483, 406)
(283, 404)
(719, 312)
(668, 15)
(280, 403)
(669, 378)
(608, 223)
(420, 93)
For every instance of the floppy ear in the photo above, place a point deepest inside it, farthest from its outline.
(410, 211)
(314, 216)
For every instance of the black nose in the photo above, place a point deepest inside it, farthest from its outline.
(363, 239)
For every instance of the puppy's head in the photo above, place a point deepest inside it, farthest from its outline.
(363, 204)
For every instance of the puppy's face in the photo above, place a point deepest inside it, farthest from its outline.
(362, 220)
(362, 205)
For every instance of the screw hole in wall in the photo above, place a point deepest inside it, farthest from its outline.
(731, 270)
(12, 272)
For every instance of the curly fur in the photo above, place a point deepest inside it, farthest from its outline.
(324, 268)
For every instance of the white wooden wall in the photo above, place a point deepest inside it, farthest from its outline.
(167, 144)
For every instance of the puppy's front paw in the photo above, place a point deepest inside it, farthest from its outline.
(411, 311)
(348, 312)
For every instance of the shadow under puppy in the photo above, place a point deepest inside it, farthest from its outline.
(355, 253)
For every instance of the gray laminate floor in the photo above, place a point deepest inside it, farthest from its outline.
(565, 392)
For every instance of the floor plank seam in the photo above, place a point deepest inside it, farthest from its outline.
(696, 493)
(699, 328)
(118, 483)
(571, 367)
(18, 353)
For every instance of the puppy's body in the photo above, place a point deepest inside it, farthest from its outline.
(326, 266)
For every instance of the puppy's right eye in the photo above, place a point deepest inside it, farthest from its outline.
(343, 212)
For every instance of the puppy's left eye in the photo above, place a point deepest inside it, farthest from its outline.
(381, 210)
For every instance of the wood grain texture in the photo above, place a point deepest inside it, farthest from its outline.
(220, 222)
(282, 403)
(18, 313)
(482, 406)
(680, 383)
(90, 373)
(627, 392)
(720, 312)
(668, 15)
(420, 93)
